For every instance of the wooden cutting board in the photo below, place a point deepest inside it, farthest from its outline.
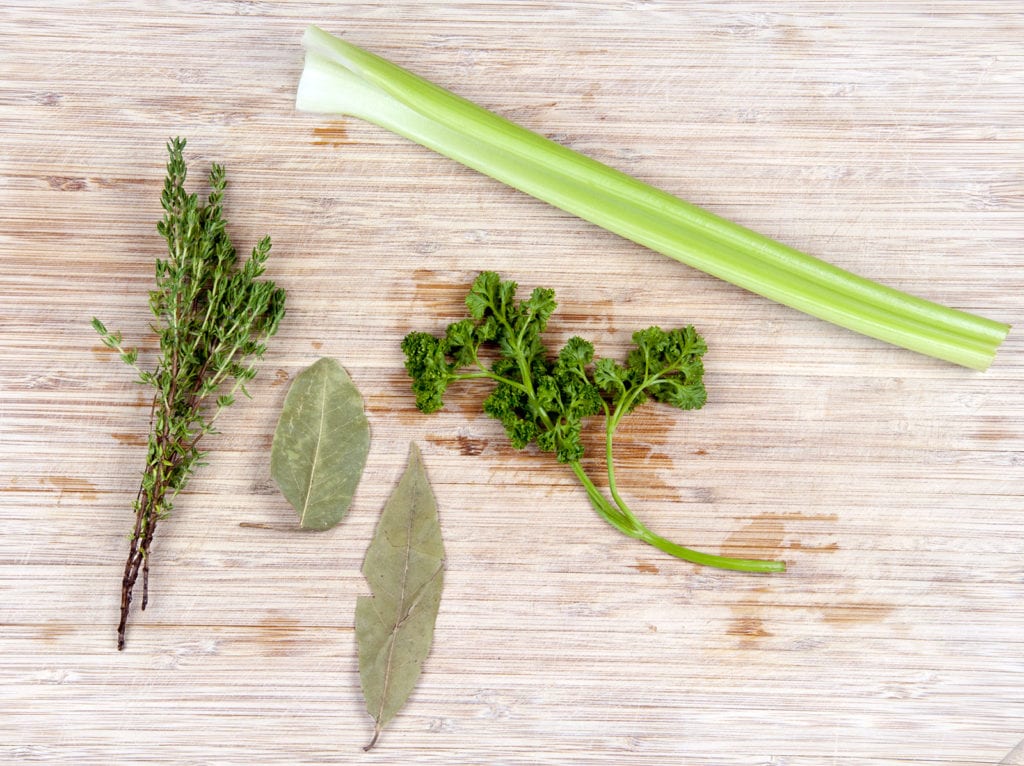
(886, 137)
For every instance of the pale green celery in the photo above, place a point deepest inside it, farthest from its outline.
(340, 78)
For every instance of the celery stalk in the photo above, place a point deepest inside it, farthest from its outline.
(340, 78)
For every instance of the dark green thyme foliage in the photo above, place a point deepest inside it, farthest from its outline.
(543, 399)
(213, 317)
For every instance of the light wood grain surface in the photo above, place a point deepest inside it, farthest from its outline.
(886, 136)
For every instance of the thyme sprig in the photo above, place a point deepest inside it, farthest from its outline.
(213, 318)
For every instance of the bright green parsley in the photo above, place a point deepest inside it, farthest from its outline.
(543, 399)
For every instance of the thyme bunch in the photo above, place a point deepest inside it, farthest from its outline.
(213, 317)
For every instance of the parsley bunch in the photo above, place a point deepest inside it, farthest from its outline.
(543, 400)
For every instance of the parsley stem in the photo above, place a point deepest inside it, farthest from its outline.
(609, 460)
(606, 510)
(629, 525)
(710, 560)
(485, 374)
(687, 554)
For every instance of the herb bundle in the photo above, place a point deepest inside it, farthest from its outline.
(543, 400)
(213, 317)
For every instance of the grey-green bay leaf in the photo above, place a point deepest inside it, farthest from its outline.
(320, 444)
(404, 567)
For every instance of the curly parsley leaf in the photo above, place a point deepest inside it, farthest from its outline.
(543, 399)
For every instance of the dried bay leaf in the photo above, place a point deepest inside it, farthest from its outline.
(320, 444)
(404, 567)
